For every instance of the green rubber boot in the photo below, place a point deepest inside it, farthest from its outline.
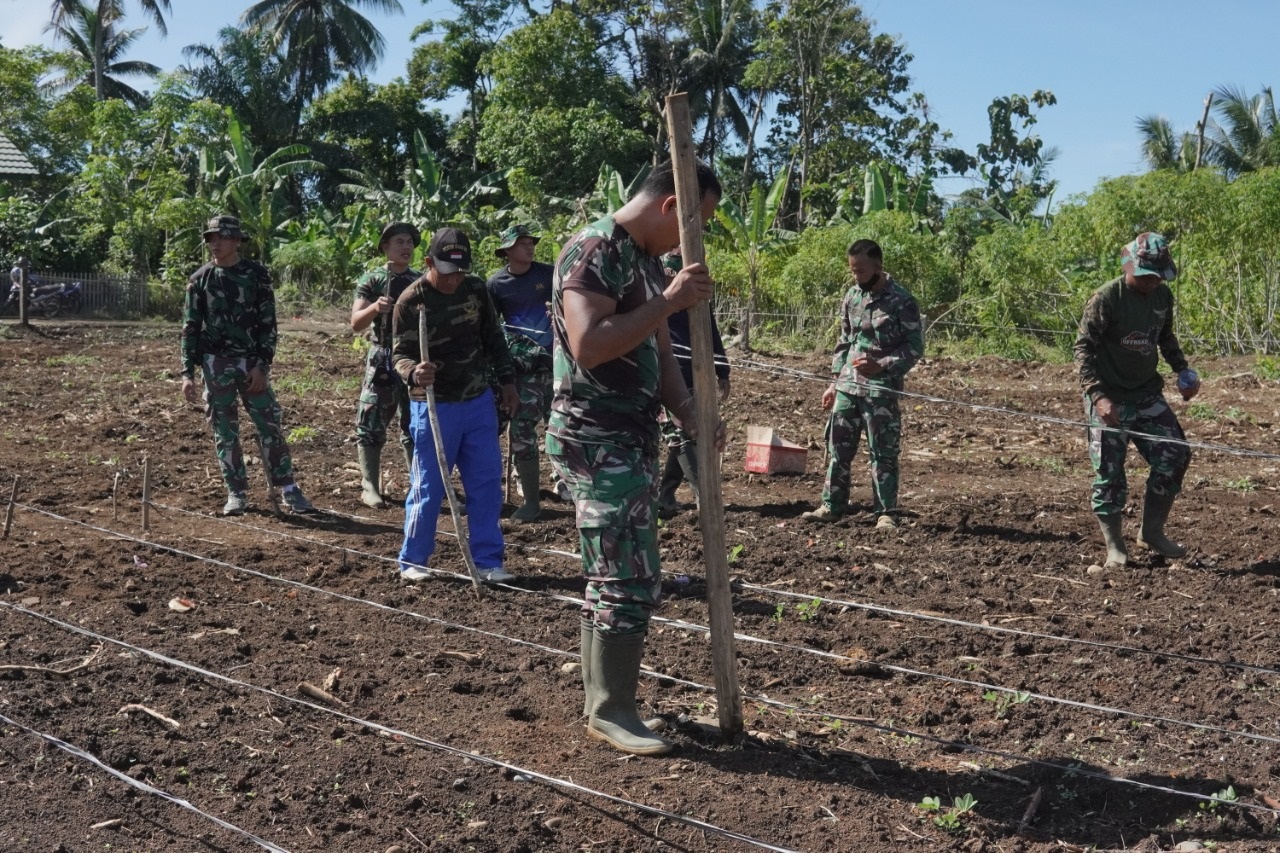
(1155, 512)
(530, 474)
(588, 632)
(370, 462)
(615, 672)
(1114, 537)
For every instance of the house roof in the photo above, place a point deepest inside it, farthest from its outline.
(13, 161)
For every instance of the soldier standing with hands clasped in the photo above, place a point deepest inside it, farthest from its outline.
(1127, 325)
(229, 332)
(881, 338)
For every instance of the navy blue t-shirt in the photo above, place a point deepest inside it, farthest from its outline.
(522, 301)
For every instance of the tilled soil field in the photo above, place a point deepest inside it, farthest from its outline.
(970, 659)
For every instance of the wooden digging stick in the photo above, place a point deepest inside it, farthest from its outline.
(459, 525)
(706, 396)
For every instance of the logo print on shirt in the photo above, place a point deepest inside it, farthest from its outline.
(1139, 342)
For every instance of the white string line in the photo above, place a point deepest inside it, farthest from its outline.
(760, 367)
(556, 782)
(691, 627)
(141, 786)
(858, 605)
(553, 781)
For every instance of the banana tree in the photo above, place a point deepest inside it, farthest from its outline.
(232, 179)
(754, 234)
(426, 199)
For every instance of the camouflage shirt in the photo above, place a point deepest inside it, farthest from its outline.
(465, 340)
(1116, 345)
(616, 402)
(527, 355)
(885, 327)
(230, 312)
(383, 282)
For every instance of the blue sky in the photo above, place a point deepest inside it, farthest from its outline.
(1107, 62)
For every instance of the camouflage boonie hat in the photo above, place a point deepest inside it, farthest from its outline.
(1149, 255)
(225, 226)
(400, 228)
(510, 236)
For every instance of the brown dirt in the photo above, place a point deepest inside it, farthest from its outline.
(854, 716)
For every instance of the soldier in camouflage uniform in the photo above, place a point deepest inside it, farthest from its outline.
(465, 347)
(229, 332)
(682, 450)
(613, 371)
(521, 290)
(881, 338)
(382, 392)
(1124, 323)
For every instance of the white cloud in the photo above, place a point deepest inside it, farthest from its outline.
(23, 22)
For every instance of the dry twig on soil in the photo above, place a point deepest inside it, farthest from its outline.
(314, 692)
(151, 713)
(17, 667)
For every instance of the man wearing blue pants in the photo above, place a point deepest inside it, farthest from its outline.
(465, 345)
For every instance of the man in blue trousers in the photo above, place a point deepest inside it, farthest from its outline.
(464, 347)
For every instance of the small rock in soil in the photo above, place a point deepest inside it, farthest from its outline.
(1095, 569)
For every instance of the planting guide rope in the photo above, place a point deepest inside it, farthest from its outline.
(553, 781)
(818, 653)
(128, 780)
(854, 605)
(691, 626)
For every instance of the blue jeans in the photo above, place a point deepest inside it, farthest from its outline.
(469, 432)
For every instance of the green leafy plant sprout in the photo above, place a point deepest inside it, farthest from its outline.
(735, 552)
(950, 819)
(72, 361)
(779, 612)
(1226, 795)
(1004, 702)
(301, 434)
(808, 611)
(1243, 484)
(1267, 368)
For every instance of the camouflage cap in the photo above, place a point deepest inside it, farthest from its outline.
(510, 236)
(450, 251)
(395, 228)
(1149, 255)
(225, 226)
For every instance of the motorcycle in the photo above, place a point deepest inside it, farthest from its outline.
(71, 297)
(45, 301)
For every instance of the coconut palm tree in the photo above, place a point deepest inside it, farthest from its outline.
(320, 38)
(242, 72)
(1245, 137)
(1162, 148)
(156, 9)
(91, 36)
(721, 35)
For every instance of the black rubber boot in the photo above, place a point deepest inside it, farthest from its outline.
(672, 477)
(615, 672)
(689, 464)
(1155, 512)
(1114, 537)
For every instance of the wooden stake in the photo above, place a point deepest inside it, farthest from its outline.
(146, 493)
(8, 513)
(459, 526)
(710, 496)
(115, 485)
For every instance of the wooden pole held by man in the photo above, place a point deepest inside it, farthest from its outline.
(710, 496)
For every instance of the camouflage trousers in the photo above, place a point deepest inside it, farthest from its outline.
(883, 424)
(535, 407)
(1108, 448)
(225, 380)
(615, 496)
(382, 397)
